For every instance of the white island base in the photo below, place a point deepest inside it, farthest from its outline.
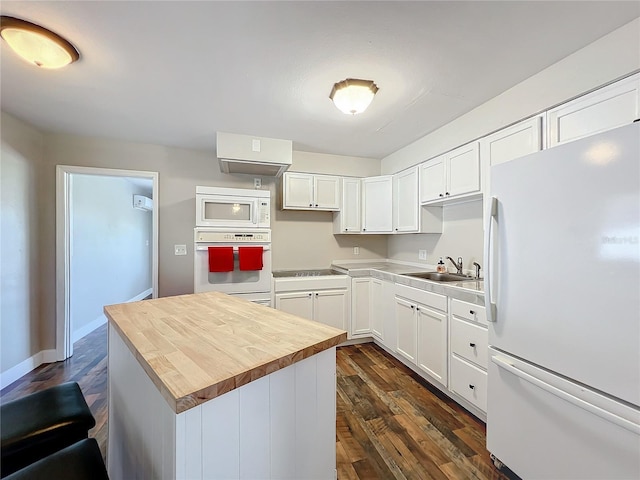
(280, 426)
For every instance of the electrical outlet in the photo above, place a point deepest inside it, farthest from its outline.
(257, 183)
(180, 249)
(356, 250)
(422, 254)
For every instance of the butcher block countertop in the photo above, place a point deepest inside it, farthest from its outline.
(198, 347)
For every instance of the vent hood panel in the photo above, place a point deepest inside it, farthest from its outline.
(246, 154)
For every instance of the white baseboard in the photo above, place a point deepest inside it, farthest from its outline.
(101, 320)
(88, 328)
(141, 296)
(24, 367)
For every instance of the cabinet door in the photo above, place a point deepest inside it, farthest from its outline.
(407, 329)
(507, 144)
(432, 343)
(350, 210)
(463, 170)
(298, 190)
(331, 307)
(360, 306)
(296, 303)
(406, 201)
(326, 192)
(606, 108)
(376, 292)
(432, 180)
(377, 204)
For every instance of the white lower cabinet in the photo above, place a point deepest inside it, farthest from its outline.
(421, 318)
(469, 352)
(360, 307)
(377, 293)
(322, 299)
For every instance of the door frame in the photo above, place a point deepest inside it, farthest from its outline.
(64, 344)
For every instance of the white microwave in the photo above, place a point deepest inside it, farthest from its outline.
(232, 207)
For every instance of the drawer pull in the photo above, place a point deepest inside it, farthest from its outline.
(472, 386)
(472, 345)
(472, 312)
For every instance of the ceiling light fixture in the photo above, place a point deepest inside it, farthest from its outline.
(36, 44)
(352, 95)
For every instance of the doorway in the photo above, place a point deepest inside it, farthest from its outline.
(112, 227)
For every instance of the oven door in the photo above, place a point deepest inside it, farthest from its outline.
(226, 211)
(236, 281)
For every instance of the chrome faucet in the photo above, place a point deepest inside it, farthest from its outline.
(478, 267)
(457, 264)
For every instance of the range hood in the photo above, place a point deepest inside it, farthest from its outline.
(245, 154)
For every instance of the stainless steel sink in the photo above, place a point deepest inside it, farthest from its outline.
(441, 277)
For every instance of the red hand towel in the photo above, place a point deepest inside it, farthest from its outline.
(250, 258)
(221, 259)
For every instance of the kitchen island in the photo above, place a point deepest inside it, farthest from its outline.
(212, 386)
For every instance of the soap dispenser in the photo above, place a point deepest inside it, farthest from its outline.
(441, 268)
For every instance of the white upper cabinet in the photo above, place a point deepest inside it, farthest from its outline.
(408, 215)
(451, 176)
(507, 144)
(606, 108)
(377, 204)
(305, 191)
(432, 180)
(463, 170)
(347, 220)
(405, 201)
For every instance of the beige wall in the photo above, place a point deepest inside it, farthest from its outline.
(462, 237)
(300, 239)
(20, 272)
(611, 57)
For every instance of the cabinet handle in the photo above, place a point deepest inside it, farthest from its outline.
(441, 195)
(396, 229)
(446, 193)
(316, 204)
(472, 312)
(316, 294)
(412, 307)
(309, 295)
(364, 229)
(473, 345)
(417, 309)
(472, 386)
(346, 229)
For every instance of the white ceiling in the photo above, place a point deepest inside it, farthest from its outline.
(173, 73)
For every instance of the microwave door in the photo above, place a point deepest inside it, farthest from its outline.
(228, 212)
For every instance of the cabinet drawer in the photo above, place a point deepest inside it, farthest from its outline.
(469, 341)
(294, 284)
(469, 382)
(469, 311)
(430, 299)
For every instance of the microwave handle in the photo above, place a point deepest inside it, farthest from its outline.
(256, 207)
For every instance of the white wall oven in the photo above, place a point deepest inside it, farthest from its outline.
(232, 208)
(233, 261)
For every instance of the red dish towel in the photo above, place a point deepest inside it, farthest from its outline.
(250, 258)
(221, 259)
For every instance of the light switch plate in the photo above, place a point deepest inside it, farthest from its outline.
(422, 254)
(356, 250)
(180, 249)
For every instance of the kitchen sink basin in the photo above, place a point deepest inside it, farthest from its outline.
(441, 277)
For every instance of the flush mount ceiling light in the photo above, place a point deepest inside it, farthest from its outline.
(352, 95)
(36, 44)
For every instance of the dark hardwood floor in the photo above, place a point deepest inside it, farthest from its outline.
(390, 423)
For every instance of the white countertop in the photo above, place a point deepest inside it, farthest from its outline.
(467, 290)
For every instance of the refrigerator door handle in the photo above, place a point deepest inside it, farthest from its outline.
(578, 402)
(488, 261)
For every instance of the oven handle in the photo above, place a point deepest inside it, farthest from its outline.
(235, 249)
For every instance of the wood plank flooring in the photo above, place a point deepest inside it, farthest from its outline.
(390, 423)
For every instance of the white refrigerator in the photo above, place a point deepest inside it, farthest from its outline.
(562, 291)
